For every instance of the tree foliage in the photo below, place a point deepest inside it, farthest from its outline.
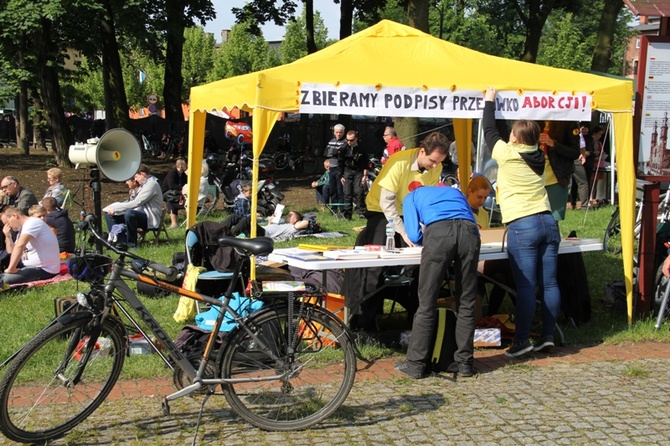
(294, 45)
(243, 53)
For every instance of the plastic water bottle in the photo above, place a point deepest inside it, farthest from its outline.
(390, 235)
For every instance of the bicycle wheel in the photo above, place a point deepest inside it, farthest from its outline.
(313, 372)
(612, 240)
(41, 397)
(281, 160)
(310, 164)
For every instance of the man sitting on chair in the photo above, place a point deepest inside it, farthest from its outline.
(143, 212)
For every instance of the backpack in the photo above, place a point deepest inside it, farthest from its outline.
(574, 286)
(242, 305)
(191, 341)
(314, 227)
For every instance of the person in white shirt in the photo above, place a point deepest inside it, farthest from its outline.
(34, 255)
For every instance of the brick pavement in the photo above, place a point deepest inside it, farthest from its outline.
(578, 394)
(486, 360)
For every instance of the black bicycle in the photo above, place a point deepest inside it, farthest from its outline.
(270, 368)
(301, 162)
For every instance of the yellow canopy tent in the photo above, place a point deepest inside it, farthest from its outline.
(395, 70)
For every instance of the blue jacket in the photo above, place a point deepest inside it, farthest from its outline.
(429, 204)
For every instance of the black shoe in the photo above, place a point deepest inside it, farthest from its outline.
(410, 369)
(466, 370)
(544, 344)
(517, 350)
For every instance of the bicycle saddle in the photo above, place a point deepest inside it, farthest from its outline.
(258, 246)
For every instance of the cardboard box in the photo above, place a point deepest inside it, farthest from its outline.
(493, 235)
(313, 334)
(487, 337)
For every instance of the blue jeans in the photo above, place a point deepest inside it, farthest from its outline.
(532, 246)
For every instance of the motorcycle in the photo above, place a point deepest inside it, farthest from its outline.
(374, 168)
(229, 178)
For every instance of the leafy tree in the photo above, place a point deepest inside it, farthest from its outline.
(259, 12)
(179, 15)
(198, 60)
(564, 45)
(242, 53)
(417, 17)
(612, 29)
(293, 47)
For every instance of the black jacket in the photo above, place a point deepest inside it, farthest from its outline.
(59, 220)
(565, 150)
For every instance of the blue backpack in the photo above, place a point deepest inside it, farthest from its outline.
(242, 305)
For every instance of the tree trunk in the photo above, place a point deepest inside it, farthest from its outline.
(408, 128)
(22, 128)
(346, 18)
(61, 136)
(602, 53)
(303, 130)
(112, 64)
(173, 80)
(22, 104)
(309, 27)
(538, 11)
(38, 120)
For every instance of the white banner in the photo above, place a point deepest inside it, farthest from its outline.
(442, 103)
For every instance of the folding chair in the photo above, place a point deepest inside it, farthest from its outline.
(155, 231)
(67, 200)
(209, 202)
(336, 209)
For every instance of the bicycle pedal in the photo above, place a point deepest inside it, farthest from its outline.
(165, 405)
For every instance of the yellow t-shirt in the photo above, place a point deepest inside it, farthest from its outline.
(399, 172)
(521, 191)
(482, 218)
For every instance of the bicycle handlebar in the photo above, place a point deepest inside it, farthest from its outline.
(170, 272)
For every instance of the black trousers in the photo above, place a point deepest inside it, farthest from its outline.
(354, 192)
(446, 242)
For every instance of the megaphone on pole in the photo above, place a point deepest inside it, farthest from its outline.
(117, 154)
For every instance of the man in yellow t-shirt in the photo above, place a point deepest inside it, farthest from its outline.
(401, 174)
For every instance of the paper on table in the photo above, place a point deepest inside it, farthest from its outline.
(351, 254)
(401, 252)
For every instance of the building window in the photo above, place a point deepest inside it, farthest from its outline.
(637, 43)
(635, 64)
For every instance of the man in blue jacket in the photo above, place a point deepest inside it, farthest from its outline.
(450, 235)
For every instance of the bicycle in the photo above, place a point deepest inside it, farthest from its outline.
(302, 162)
(270, 368)
(612, 237)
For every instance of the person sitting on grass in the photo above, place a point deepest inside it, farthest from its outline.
(34, 255)
(58, 219)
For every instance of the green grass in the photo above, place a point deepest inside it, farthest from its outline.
(23, 314)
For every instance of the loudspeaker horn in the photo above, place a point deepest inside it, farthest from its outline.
(117, 154)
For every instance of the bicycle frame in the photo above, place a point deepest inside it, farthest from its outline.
(116, 283)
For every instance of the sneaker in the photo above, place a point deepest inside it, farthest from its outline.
(544, 344)
(410, 369)
(517, 350)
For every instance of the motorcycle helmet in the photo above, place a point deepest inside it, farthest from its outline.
(214, 162)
